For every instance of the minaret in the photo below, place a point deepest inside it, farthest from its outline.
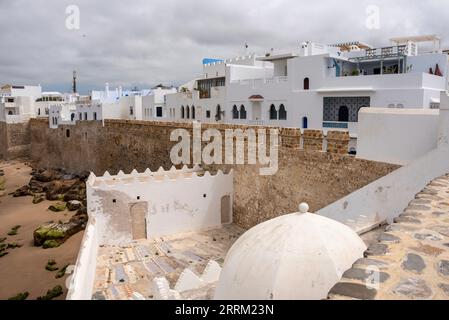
(74, 82)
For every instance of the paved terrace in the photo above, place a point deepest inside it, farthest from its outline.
(122, 270)
(410, 259)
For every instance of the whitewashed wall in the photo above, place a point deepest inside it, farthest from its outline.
(396, 136)
(82, 280)
(386, 198)
(177, 202)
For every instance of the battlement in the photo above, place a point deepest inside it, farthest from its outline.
(148, 176)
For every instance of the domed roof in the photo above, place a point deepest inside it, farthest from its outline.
(296, 256)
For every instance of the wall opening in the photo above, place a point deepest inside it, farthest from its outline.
(305, 123)
(226, 212)
(343, 114)
(67, 133)
(306, 84)
(273, 113)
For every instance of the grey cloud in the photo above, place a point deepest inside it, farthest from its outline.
(141, 42)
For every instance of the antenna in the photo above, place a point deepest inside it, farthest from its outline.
(74, 82)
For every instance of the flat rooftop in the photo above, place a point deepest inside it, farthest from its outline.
(123, 270)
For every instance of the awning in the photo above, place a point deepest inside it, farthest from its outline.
(256, 97)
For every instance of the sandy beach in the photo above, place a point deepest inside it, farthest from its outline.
(23, 269)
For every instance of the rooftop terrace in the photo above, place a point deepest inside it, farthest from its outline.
(124, 270)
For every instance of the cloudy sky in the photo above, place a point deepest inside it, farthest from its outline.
(146, 42)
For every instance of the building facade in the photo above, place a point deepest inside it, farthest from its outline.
(316, 86)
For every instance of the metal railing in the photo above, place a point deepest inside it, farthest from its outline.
(335, 125)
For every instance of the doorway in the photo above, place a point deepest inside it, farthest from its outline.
(256, 111)
(226, 213)
(138, 220)
(343, 114)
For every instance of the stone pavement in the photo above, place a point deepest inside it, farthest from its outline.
(410, 260)
(123, 270)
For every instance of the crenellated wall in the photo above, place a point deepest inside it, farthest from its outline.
(305, 172)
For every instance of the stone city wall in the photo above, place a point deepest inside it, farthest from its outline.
(14, 140)
(305, 172)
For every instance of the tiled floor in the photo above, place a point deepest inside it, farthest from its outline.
(122, 270)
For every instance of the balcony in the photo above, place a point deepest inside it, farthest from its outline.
(394, 52)
(374, 82)
(258, 82)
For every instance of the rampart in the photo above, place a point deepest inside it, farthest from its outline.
(306, 173)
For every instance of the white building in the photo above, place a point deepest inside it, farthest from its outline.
(17, 103)
(154, 105)
(316, 86)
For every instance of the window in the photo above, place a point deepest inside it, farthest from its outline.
(306, 84)
(343, 114)
(67, 133)
(95, 116)
(242, 112)
(282, 112)
(208, 114)
(182, 112)
(10, 112)
(39, 111)
(218, 114)
(235, 112)
(159, 112)
(273, 113)
(193, 112)
(80, 116)
(85, 115)
(131, 111)
(305, 123)
(188, 112)
(72, 117)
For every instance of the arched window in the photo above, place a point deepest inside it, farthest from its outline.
(182, 112)
(10, 113)
(306, 84)
(305, 123)
(39, 111)
(235, 112)
(72, 116)
(193, 112)
(188, 112)
(67, 133)
(242, 112)
(273, 113)
(343, 114)
(282, 112)
(218, 113)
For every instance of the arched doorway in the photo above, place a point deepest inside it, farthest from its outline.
(343, 114)
(138, 213)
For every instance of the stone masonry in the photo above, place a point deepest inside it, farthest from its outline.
(338, 141)
(305, 173)
(410, 260)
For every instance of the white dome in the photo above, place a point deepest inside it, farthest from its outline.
(298, 256)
